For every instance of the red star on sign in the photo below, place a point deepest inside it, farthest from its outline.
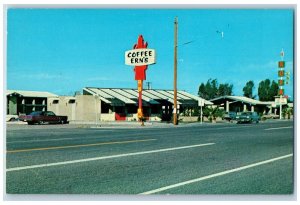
(140, 71)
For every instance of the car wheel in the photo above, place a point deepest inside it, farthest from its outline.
(41, 122)
(30, 123)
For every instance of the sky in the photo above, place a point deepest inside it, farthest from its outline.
(64, 50)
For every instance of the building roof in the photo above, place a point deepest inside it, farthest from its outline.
(37, 94)
(242, 99)
(150, 96)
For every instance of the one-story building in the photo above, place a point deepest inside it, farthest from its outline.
(25, 102)
(114, 104)
(242, 103)
(110, 104)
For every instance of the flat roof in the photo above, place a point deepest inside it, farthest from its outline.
(37, 94)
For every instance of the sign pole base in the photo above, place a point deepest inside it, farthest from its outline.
(140, 109)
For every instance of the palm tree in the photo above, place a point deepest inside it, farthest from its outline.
(212, 113)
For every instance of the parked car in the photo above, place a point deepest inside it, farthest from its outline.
(229, 116)
(248, 117)
(42, 117)
(12, 118)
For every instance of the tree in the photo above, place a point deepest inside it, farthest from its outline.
(273, 90)
(248, 89)
(212, 89)
(212, 113)
(267, 91)
(225, 89)
(202, 91)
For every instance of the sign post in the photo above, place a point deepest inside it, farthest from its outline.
(140, 57)
(281, 74)
(201, 104)
(280, 100)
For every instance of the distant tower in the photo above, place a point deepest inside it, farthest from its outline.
(281, 74)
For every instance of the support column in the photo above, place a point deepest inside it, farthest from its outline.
(44, 107)
(33, 103)
(245, 108)
(227, 106)
(252, 108)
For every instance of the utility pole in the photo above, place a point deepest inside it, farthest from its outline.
(175, 72)
(148, 85)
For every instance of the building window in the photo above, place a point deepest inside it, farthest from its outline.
(55, 101)
(72, 101)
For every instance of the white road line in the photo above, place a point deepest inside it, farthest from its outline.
(279, 128)
(106, 157)
(215, 175)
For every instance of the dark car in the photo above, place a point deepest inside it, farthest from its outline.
(248, 117)
(42, 117)
(229, 116)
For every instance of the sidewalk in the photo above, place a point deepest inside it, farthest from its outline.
(120, 125)
(123, 124)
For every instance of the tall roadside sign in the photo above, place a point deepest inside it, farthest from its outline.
(281, 74)
(140, 57)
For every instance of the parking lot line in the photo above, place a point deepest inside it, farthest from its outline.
(74, 146)
(279, 128)
(215, 175)
(106, 157)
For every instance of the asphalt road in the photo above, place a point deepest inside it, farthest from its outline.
(193, 159)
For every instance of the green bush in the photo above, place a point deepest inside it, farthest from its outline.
(212, 113)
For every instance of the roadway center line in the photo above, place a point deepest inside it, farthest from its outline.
(106, 157)
(69, 138)
(44, 140)
(73, 146)
(279, 128)
(215, 175)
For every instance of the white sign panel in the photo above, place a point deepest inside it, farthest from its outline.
(201, 102)
(281, 101)
(139, 57)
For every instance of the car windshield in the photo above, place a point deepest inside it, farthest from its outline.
(50, 114)
(35, 113)
(245, 113)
